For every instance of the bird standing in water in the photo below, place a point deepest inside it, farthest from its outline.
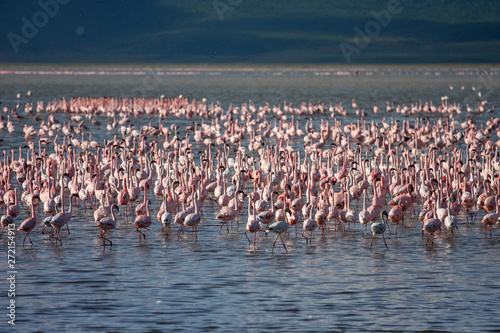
(379, 228)
(30, 223)
(279, 227)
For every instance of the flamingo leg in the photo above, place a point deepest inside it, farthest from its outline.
(181, 229)
(55, 235)
(282, 242)
(274, 244)
(371, 244)
(58, 232)
(110, 243)
(385, 241)
(248, 238)
(307, 239)
(477, 211)
(428, 239)
(140, 233)
(106, 239)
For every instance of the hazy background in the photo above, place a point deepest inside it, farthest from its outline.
(252, 31)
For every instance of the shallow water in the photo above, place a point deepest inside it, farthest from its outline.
(220, 283)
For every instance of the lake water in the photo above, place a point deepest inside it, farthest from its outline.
(221, 284)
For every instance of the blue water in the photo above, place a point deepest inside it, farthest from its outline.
(221, 284)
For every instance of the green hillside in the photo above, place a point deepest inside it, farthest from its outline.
(255, 31)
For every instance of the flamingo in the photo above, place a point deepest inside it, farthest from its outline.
(268, 216)
(431, 225)
(228, 213)
(378, 228)
(364, 215)
(180, 216)
(166, 220)
(278, 228)
(141, 208)
(61, 219)
(396, 216)
(14, 209)
(193, 219)
(309, 225)
(143, 221)
(253, 224)
(107, 223)
(124, 196)
(5, 221)
(491, 218)
(30, 223)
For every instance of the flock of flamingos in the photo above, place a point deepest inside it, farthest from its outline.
(276, 168)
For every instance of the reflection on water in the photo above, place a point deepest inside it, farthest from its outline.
(220, 283)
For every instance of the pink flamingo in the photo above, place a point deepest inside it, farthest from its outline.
(431, 225)
(141, 208)
(107, 223)
(30, 223)
(491, 218)
(309, 225)
(123, 195)
(193, 219)
(14, 209)
(253, 225)
(61, 219)
(396, 216)
(450, 221)
(143, 221)
(226, 214)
